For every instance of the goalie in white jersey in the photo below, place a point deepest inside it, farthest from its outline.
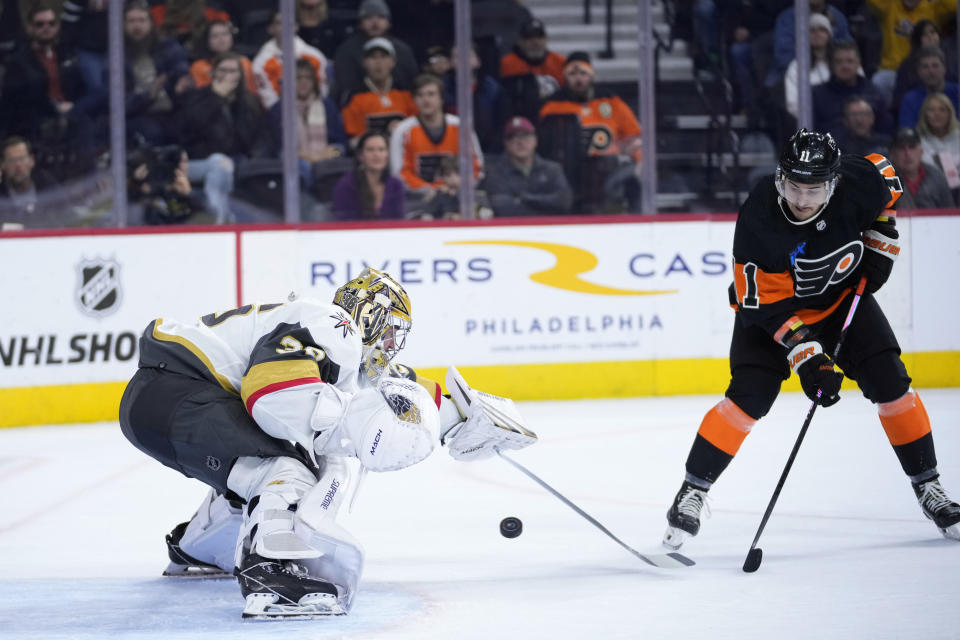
(263, 403)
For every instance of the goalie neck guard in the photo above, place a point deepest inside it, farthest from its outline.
(380, 307)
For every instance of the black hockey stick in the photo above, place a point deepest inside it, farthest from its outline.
(663, 561)
(755, 555)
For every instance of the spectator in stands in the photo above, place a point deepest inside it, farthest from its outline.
(268, 65)
(157, 73)
(369, 192)
(419, 142)
(444, 202)
(317, 28)
(858, 137)
(20, 205)
(784, 43)
(437, 60)
(186, 21)
(846, 82)
(220, 124)
(932, 70)
(925, 34)
(531, 72)
(749, 27)
(217, 39)
(820, 33)
(940, 135)
(495, 29)
(374, 22)
(84, 31)
(897, 19)
(608, 128)
(520, 182)
(320, 134)
(44, 96)
(159, 188)
(924, 185)
(379, 106)
(490, 106)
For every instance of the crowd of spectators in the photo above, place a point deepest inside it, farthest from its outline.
(377, 102)
(883, 75)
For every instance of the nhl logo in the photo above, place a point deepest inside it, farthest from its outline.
(213, 463)
(98, 291)
(821, 225)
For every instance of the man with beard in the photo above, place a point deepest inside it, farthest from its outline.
(531, 72)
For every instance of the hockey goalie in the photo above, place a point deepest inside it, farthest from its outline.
(265, 404)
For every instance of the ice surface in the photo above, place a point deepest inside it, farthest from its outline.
(847, 553)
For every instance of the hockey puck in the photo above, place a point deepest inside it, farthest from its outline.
(511, 527)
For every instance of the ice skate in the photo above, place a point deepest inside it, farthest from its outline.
(182, 564)
(683, 518)
(937, 506)
(283, 589)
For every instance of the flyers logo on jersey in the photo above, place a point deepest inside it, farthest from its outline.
(813, 276)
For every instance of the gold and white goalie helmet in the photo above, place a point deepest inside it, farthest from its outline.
(380, 307)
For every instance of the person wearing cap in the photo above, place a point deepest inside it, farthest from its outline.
(420, 142)
(924, 185)
(520, 182)
(373, 21)
(784, 36)
(932, 70)
(610, 137)
(268, 65)
(821, 31)
(378, 106)
(531, 72)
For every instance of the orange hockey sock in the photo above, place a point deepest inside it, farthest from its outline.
(905, 420)
(725, 426)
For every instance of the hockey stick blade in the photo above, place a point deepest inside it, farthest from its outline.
(662, 561)
(753, 560)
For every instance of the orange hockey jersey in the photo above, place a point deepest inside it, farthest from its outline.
(370, 111)
(415, 156)
(606, 120)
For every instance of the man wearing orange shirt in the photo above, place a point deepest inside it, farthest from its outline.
(378, 106)
(531, 72)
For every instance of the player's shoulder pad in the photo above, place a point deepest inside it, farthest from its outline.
(332, 328)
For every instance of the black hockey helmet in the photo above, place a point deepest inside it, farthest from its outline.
(809, 158)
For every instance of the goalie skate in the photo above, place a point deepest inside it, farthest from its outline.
(182, 564)
(284, 589)
(268, 606)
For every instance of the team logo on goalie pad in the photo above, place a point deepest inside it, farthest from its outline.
(98, 288)
(814, 276)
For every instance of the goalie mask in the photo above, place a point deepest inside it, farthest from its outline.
(393, 425)
(380, 308)
(806, 176)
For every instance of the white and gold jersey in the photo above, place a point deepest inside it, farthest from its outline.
(262, 352)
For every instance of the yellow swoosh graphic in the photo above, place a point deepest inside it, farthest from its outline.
(565, 274)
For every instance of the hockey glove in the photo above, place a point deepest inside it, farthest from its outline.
(882, 241)
(818, 375)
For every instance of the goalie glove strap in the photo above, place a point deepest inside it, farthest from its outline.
(802, 353)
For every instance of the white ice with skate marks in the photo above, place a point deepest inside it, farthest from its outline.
(847, 553)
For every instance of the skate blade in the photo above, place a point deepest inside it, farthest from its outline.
(264, 606)
(175, 570)
(952, 532)
(674, 538)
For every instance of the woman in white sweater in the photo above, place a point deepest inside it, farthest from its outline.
(821, 31)
(939, 132)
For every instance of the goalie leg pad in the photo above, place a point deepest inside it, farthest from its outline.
(211, 535)
(341, 562)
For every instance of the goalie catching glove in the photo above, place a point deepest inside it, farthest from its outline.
(492, 423)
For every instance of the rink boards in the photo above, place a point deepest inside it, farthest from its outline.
(575, 308)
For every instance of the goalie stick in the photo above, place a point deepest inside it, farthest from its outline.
(755, 555)
(663, 561)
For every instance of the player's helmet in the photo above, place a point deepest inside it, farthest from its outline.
(380, 307)
(809, 158)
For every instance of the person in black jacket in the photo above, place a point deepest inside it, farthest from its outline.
(803, 239)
